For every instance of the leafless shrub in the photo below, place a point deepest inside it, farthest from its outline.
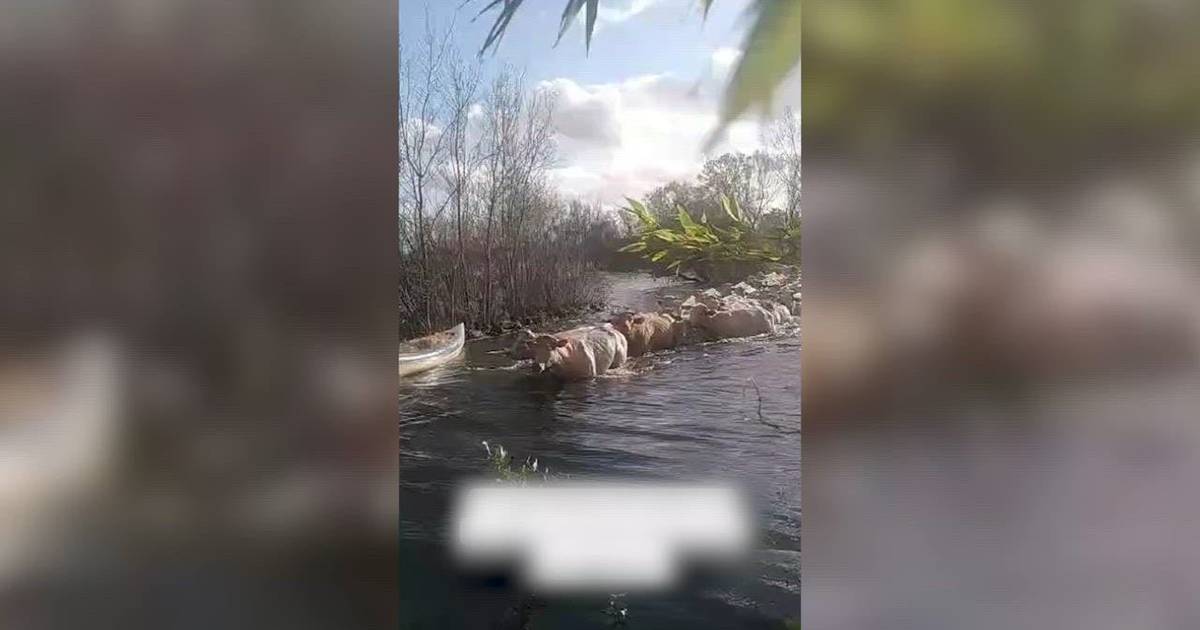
(484, 239)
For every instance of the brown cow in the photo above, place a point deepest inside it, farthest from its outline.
(739, 321)
(646, 332)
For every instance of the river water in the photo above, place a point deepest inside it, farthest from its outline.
(695, 413)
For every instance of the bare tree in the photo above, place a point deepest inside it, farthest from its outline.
(762, 193)
(462, 88)
(422, 146)
(748, 179)
(783, 140)
(484, 238)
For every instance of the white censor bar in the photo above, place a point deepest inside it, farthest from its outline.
(601, 537)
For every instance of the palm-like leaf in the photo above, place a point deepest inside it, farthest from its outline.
(592, 7)
(732, 209)
(568, 16)
(500, 26)
(570, 12)
(772, 50)
(686, 222)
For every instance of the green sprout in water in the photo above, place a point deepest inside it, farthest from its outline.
(617, 611)
(501, 463)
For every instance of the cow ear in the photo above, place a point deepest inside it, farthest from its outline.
(560, 342)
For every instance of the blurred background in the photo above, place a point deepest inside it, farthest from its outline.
(197, 314)
(1002, 214)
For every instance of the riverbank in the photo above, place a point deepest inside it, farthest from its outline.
(634, 291)
(777, 283)
(618, 290)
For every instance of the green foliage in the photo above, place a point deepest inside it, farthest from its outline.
(689, 243)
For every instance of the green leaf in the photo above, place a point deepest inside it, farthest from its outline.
(731, 209)
(638, 209)
(772, 50)
(568, 15)
(685, 219)
(657, 256)
(666, 235)
(639, 246)
(591, 24)
(570, 11)
(491, 5)
(500, 26)
(675, 265)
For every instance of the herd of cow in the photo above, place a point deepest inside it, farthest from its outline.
(592, 350)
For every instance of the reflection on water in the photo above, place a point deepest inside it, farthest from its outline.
(684, 414)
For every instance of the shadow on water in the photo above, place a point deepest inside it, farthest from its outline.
(682, 414)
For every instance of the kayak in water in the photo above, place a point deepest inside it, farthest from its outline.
(426, 353)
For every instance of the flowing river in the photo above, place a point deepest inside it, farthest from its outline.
(709, 411)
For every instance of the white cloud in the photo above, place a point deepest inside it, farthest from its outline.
(583, 115)
(607, 13)
(723, 60)
(614, 13)
(626, 138)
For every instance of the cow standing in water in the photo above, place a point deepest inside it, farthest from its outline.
(647, 332)
(579, 354)
(742, 320)
(522, 347)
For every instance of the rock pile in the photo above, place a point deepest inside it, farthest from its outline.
(778, 285)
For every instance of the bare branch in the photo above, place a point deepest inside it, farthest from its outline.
(761, 418)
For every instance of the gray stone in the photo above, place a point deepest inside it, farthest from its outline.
(773, 279)
(744, 288)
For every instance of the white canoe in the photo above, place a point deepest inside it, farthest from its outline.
(429, 352)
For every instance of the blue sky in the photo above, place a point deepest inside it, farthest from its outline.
(634, 113)
(633, 37)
